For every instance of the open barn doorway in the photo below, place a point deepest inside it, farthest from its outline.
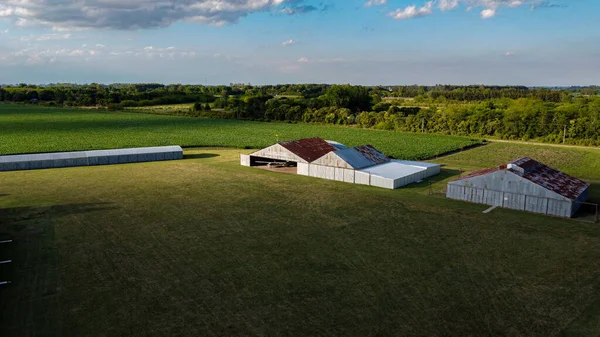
(271, 164)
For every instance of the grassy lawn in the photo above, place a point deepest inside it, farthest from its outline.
(205, 247)
(28, 129)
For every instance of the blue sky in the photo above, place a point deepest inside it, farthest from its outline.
(527, 42)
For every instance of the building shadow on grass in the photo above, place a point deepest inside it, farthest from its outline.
(35, 270)
(4, 195)
(200, 156)
(445, 174)
(15, 219)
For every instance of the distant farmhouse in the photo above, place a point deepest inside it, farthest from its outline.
(523, 184)
(365, 165)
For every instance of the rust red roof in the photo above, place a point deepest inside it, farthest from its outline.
(309, 149)
(481, 172)
(372, 154)
(541, 175)
(549, 178)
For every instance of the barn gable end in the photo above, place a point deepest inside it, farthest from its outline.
(278, 152)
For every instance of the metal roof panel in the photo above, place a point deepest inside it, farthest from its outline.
(309, 149)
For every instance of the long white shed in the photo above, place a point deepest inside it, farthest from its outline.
(89, 158)
(395, 174)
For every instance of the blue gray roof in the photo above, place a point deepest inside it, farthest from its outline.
(354, 158)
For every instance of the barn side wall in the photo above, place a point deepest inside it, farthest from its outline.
(583, 197)
(302, 169)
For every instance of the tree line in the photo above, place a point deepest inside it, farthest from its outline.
(555, 115)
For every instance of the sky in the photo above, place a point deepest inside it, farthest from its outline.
(368, 42)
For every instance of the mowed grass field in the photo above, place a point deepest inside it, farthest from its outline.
(30, 129)
(205, 247)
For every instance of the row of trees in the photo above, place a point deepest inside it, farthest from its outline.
(352, 97)
(552, 115)
(576, 121)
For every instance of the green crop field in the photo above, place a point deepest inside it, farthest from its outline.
(205, 247)
(28, 129)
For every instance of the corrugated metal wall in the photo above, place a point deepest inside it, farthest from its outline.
(331, 159)
(245, 160)
(409, 179)
(382, 182)
(349, 175)
(302, 169)
(278, 152)
(362, 178)
(357, 177)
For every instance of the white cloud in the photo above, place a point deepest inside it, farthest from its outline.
(101, 46)
(412, 11)
(515, 3)
(45, 37)
(509, 53)
(288, 42)
(488, 13)
(375, 3)
(303, 60)
(446, 5)
(488, 7)
(135, 14)
(38, 56)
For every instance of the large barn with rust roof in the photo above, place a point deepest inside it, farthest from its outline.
(523, 184)
(331, 160)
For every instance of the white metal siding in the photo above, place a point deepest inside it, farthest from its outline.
(363, 178)
(303, 169)
(382, 182)
(331, 159)
(278, 152)
(244, 160)
(349, 175)
(339, 174)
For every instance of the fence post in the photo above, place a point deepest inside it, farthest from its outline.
(547, 205)
(503, 193)
(525, 203)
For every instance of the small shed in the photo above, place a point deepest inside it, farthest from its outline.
(523, 184)
(89, 158)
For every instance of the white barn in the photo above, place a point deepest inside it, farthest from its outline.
(330, 160)
(524, 184)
